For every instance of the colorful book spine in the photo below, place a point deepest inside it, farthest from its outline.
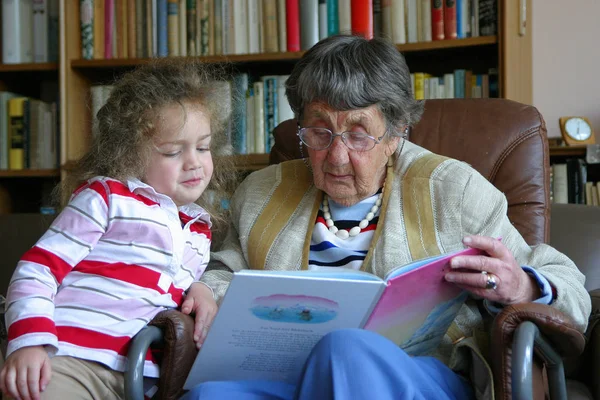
(322, 19)
(449, 19)
(86, 15)
(437, 20)
(131, 29)
(162, 27)
(109, 28)
(16, 134)
(173, 27)
(293, 25)
(362, 18)
(309, 17)
(270, 110)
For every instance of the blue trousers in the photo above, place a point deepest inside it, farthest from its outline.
(351, 364)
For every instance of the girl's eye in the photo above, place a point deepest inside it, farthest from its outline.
(203, 149)
(171, 155)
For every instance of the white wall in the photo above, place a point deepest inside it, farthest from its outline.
(566, 61)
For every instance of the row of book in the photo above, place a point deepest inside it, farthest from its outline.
(570, 183)
(29, 31)
(28, 133)
(257, 107)
(160, 28)
(460, 84)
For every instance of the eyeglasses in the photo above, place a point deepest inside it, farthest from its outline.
(321, 139)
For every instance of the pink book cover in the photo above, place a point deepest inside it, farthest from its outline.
(418, 304)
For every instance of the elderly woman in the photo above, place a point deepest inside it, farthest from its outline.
(366, 198)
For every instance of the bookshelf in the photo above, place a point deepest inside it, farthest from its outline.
(508, 51)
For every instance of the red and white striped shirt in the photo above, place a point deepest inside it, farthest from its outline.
(116, 256)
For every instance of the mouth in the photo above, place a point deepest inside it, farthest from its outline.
(339, 176)
(192, 182)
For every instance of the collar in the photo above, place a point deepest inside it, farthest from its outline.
(191, 210)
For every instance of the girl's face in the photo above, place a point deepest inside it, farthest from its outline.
(181, 163)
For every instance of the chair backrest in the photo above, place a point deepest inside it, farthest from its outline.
(575, 232)
(504, 140)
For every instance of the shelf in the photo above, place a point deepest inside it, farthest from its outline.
(30, 173)
(448, 44)
(565, 151)
(289, 56)
(29, 67)
(250, 162)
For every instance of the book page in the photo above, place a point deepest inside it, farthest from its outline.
(417, 307)
(269, 322)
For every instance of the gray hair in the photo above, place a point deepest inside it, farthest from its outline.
(350, 72)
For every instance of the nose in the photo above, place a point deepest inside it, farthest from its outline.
(192, 160)
(337, 152)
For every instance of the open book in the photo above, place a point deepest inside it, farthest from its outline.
(269, 321)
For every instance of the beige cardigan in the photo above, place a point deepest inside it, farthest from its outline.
(433, 203)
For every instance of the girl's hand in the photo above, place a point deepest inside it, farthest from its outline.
(199, 300)
(26, 373)
(513, 285)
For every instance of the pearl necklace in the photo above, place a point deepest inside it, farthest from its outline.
(345, 234)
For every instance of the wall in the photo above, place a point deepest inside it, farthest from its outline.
(566, 61)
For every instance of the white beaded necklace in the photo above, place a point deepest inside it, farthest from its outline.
(345, 234)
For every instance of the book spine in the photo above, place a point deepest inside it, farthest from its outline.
(240, 26)
(109, 12)
(425, 20)
(205, 28)
(16, 133)
(86, 15)
(450, 28)
(250, 147)
(140, 30)
(270, 24)
(191, 27)
(437, 20)
(259, 121)
(333, 22)
(270, 110)
(183, 28)
(40, 30)
(225, 28)
(218, 25)
(253, 27)
(309, 17)
(162, 28)
(293, 25)
(173, 27)
(121, 29)
(344, 16)
(240, 87)
(152, 28)
(488, 17)
(398, 21)
(322, 19)
(362, 18)
(281, 26)
(131, 29)
(412, 18)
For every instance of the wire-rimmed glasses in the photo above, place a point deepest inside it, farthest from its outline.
(321, 139)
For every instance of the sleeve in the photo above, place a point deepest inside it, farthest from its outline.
(41, 270)
(484, 212)
(546, 296)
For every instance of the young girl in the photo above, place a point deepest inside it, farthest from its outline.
(130, 243)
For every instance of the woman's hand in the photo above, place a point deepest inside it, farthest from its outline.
(26, 373)
(200, 301)
(513, 285)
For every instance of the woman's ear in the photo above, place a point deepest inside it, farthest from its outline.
(391, 145)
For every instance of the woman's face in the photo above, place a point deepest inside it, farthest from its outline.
(348, 176)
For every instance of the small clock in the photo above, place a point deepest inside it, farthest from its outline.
(577, 131)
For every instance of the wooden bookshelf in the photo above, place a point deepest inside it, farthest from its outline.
(293, 56)
(29, 67)
(566, 151)
(30, 173)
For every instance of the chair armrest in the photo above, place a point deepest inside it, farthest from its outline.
(134, 372)
(557, 328)
(179, 352)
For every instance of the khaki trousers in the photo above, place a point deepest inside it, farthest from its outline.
(74, 378)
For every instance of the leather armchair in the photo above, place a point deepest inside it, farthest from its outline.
(506, 142)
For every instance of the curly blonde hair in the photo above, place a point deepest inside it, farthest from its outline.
(126, 125)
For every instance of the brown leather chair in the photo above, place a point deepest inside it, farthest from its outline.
(506, 142)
